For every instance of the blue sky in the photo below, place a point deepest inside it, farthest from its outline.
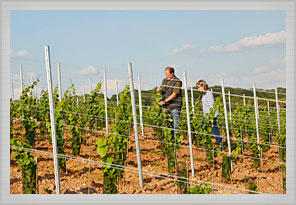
(240, 46)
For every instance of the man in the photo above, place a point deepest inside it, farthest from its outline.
(171, 97)
(172, 101)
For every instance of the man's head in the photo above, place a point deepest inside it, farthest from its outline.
(169, 72)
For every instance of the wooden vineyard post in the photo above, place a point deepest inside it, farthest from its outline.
(188, 123)
(106, 104)
(52, 120)
(226, 119)
(140, 105)
(130, 72)
(244, 98)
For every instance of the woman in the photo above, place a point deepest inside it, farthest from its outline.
(207, 103)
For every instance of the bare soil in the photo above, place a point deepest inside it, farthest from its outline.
(85, 178)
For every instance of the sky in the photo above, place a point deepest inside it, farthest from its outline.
(242, 47)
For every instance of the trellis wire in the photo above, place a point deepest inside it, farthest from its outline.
(168, 143)
(131, 169)
(103, 118)
(254, 99)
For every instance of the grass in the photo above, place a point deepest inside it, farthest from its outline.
(198, 159)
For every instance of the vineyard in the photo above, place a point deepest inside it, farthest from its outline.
(123, 145)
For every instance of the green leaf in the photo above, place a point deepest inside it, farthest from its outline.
(102, 151)
(109, 161)
(101, 142)
(15, 154)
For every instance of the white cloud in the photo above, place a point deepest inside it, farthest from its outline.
(90, 70)
(268, 79)
(269, 39)
(278, 62)
(181, 49)
(259, 69)
(18, 54)
(270, 75)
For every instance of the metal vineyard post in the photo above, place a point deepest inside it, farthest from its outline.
(140, 104)
(12, 92)
(256, 114)
(130, 72)
(60, 84)
(188, 123)
(192, 100)
(279, 132)
(52, 120)
(117, 92)
(105, 96)
(83, 94)
(278, 110)
(21, 78)
(226, 119)
(229, 106)
(90, 84)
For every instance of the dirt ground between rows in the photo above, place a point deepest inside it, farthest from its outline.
(85, 178)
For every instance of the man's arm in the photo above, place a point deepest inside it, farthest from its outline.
(172, 96)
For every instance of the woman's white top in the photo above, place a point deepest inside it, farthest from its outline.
(207, 102)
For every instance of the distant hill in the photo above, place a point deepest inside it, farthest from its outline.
(261, 93)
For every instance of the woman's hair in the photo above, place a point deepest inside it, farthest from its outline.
(202, 83)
